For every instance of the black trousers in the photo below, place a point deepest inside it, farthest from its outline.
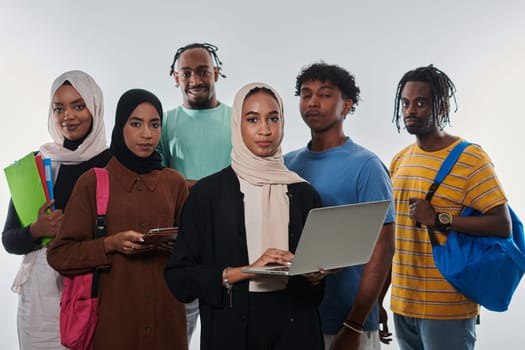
(277, 321)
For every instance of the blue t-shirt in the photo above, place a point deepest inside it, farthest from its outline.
(346, 174)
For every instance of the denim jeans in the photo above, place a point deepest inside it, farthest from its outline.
(424, 334)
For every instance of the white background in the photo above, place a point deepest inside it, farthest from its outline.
(127, 44)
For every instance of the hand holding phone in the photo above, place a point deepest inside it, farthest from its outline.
(157, 236)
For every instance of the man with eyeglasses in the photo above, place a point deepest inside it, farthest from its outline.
(196, 136)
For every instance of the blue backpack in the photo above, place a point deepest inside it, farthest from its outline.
(487, 270)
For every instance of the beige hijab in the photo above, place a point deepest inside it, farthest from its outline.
(95, 143)
(268, 172)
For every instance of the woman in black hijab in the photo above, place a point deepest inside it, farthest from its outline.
(136, 309)
(127, 103)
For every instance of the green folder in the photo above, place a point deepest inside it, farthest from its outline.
(26, 189)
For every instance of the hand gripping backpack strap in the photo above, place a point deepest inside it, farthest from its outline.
(442, 173)
(102, 205)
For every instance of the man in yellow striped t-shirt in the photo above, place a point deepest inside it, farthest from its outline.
(429, 314)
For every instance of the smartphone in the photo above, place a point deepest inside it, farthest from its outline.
(171, 229)
(160, 235)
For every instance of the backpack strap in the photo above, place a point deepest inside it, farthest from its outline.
(442, 173)
(102, 190)
(102, 206)
(102, 200)
(446, 167)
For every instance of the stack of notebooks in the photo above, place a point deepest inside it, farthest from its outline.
(30, 182)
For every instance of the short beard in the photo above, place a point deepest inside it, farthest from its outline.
(205, 104)
(423, 129)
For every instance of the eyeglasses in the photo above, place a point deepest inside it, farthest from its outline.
(187, 73)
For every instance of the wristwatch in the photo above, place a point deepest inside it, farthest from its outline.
(443, 221)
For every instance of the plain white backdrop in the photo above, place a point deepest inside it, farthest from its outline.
(128, 44)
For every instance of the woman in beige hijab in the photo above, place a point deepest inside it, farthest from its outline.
(76, 126)
(249, 214)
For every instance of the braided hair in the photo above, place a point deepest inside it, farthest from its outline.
(442, 90)
(211, 49)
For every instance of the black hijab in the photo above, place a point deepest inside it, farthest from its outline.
(127, 103)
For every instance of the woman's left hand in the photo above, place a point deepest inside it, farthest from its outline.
(315, 277)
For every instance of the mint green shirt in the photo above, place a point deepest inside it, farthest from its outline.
(196, 142)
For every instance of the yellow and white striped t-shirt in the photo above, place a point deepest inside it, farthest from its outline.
(418, 288)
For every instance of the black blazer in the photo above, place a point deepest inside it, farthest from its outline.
(211, 237)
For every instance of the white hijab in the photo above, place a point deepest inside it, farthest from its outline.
(95, 142)
(93, 145)
(268, 172)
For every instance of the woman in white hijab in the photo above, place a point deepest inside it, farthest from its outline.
(249, 214)
(76, 125)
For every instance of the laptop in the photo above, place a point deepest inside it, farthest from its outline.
(333, 237)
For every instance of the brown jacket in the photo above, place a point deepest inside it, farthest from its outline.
(136, 309)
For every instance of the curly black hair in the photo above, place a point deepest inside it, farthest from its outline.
(337, 75)
(212, 51)
(442, 89)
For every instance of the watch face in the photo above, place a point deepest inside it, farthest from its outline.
(444, 218)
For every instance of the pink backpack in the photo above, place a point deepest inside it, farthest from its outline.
(78, 306)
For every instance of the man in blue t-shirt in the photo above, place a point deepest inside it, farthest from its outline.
(344, 172)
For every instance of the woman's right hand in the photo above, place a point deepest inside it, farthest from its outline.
(270, 256)
(46, 224)
(126, 242)
(274, 256)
